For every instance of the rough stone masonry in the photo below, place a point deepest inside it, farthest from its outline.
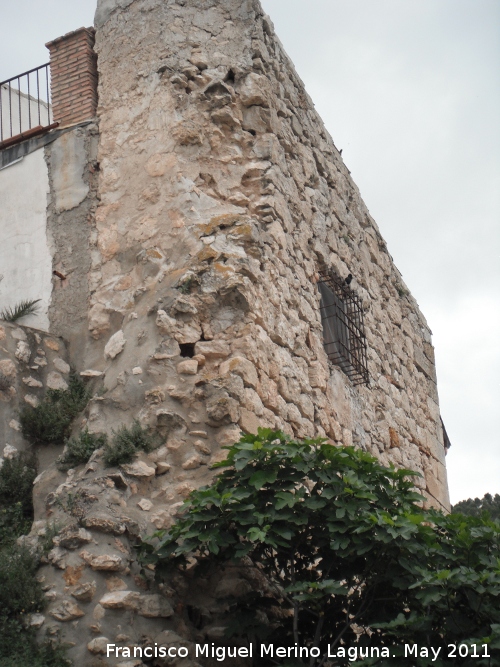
(216, 195)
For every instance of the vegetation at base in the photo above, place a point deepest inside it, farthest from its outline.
(5, 382)
(344, 553)
(20, 592)
(50, 421)
(21, 309)
(80, 448)
(16, 487)
(126, 443)
(478, 506)
(20, 595)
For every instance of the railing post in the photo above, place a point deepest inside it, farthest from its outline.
(73, 64)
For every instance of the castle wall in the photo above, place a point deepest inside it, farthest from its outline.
(221, 192)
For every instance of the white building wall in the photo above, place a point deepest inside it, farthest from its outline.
(20, 112)
(25, 259)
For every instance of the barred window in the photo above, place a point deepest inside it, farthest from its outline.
(343, 326)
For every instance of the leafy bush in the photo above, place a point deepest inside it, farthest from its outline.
(81, 448)
(16, 496)
(20, 591)
(50, 421)
(16, 482)
(126, 443)
(344, 553)
(13, 523)
(21, 594)
(20, 649)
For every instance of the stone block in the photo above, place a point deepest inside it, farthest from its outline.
(242, 367)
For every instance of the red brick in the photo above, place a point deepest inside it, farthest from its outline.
(74, 76)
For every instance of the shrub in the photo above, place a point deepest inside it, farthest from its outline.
(16, 496)
(20, 591)
(50, 421)
(13, 523)
(5, 382)
(343, 553)
(80, 449)
(21, 594)
(126, 443)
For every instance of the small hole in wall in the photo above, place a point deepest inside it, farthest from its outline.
(252, 132)
(230, 77)
(187, 350)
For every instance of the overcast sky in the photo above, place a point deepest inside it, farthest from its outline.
(410, 90)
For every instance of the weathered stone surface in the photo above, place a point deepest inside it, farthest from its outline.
(84, 592)
(213, 349)
(104, 523)
(72, 538)
(145, 504)
(98, 646)
(165, 323)
(91, 373)
(115, 345)
(171, 422)
(121, 600)
(61, 366)
(138, 469)
(32, 382)
(154, 606)
(242, 367)
(23, 352)
(37, 620)
(57, 557)
(105, 562)
(188, 367)
(66, 611)
(56, 381)
(192, 463)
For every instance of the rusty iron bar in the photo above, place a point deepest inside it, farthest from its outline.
(16, 119)
(349, 351)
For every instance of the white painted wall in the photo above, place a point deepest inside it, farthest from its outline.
(25, 259)
(20, 112)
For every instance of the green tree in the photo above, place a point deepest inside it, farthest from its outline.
(347, 557)
(477, 506)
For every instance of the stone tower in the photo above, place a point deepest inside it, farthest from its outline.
(189, 226)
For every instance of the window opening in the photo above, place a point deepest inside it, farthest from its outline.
(343, 326)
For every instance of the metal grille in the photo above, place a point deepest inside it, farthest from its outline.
(343, 326)
(25, 102)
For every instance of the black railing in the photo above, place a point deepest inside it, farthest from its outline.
(25, 102)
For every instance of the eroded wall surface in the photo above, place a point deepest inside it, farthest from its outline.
(73, 170)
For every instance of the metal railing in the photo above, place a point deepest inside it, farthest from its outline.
(343, 326)
(25, 103)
